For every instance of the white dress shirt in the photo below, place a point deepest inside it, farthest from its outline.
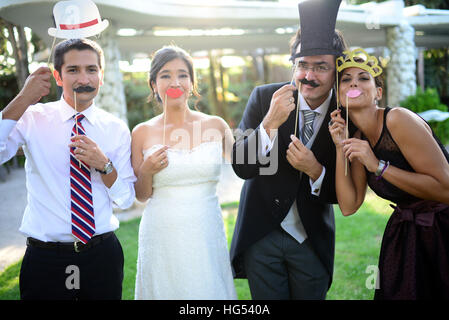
(44, 133)
(292, 223)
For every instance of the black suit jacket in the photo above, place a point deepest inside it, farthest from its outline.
(266, 199)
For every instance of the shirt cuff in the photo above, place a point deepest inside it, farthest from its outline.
(122, 193)
(315, 187)
(6, 126)
(266, 144)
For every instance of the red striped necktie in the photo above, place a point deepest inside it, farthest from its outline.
(83, 222)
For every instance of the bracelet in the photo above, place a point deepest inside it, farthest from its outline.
(383, 170)
(380, 168)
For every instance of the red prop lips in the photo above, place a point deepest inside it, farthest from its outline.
(174, 93)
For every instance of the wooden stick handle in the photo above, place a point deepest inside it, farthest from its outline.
(297, 109)
(165, 119)
(294, 72)
(76, 119)
(347, 132)
(51, 50)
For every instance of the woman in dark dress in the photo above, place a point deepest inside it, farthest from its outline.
(396, 153)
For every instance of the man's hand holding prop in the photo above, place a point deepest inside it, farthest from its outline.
(76, 19)
(302, 159)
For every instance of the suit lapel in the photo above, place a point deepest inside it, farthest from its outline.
(288, 128)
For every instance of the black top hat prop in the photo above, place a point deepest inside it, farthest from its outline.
(317, 21)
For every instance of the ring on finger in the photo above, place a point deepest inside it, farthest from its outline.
(291, 99)
(162, 162)
(330, 123)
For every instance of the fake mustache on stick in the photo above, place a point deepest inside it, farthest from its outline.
(82, 89)
(310, 83)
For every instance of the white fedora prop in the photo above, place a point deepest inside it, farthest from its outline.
(77, 19)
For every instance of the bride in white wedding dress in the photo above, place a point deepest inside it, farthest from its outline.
(177, 157)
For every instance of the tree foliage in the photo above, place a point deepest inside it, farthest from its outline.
(428, 100)
(431, 4)
(15, 35)
(15, 51)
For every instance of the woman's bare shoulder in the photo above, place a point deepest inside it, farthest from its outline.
(211, 121)
(404, 121)
(149, 125)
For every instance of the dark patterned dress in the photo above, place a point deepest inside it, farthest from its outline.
(414, 255)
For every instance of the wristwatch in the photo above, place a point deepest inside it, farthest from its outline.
(108, 168)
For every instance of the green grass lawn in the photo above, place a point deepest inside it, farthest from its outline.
(358, 240)
(357, 246)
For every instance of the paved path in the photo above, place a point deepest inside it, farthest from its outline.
(13, 196)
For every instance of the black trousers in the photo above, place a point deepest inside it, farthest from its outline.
(279, 268)
(58, 274)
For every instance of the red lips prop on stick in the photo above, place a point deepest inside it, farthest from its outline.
(354, 93)
(174, 93)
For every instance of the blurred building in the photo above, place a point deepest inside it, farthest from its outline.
(139, 27)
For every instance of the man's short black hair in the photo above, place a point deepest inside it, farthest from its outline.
(76, 44)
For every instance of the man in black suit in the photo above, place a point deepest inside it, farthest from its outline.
(285, 232)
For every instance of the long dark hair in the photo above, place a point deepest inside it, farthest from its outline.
(163, 56)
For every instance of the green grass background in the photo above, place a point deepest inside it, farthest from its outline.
(358, 239)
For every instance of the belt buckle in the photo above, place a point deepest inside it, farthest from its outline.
(76, 246)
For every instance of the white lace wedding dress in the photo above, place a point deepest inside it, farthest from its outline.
(182, 252)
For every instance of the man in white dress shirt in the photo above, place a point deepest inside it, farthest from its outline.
(63, 259)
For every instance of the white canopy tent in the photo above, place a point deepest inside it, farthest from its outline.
(239, 25)
(138, 27)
